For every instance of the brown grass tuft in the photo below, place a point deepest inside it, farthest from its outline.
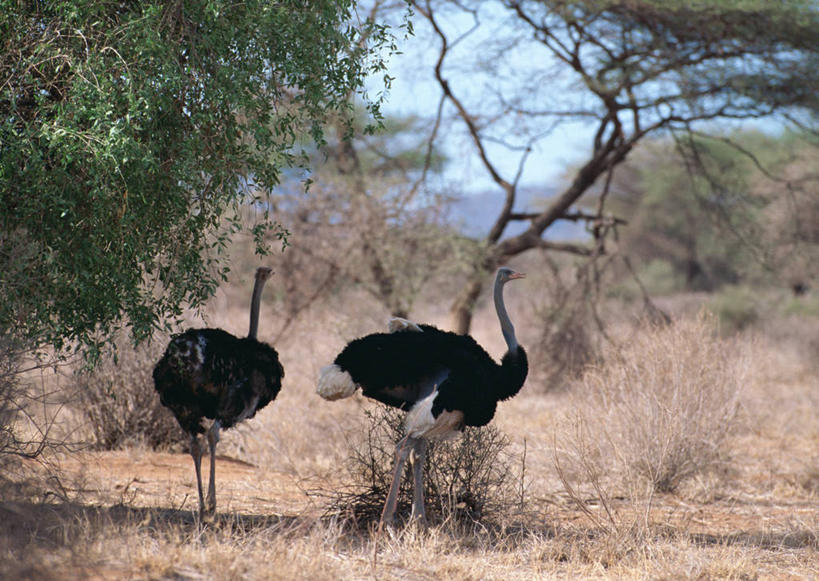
(120, 403)
(660, 408)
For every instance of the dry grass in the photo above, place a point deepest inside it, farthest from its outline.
(471, 480)
(751, 515)
(120, 403)
(661, 406)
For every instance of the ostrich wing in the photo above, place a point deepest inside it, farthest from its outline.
(405, 396)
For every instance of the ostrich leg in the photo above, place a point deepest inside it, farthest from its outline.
(196, 453)
(213, 439)
(402, 452)
(418, 457)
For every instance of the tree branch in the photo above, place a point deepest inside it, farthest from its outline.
(566, 247)
(509, 188)
(576, 216)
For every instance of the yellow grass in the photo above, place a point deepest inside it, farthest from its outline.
(128, 514)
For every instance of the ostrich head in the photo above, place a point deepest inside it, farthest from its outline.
(505, 274)
(263, 273)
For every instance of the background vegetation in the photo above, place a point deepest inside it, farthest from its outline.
(154, 155)
(131, 135)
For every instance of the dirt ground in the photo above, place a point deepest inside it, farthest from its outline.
(130, 514)
(153, 480)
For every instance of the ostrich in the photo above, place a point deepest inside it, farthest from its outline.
(443, 380)
(210, 376)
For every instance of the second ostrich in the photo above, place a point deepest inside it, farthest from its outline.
(211, 380)
(443, 380)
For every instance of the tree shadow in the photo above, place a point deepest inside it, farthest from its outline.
(63, 524)
(796, 539)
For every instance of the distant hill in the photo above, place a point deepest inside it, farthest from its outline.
(474, 214)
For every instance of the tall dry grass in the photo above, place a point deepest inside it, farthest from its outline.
(657, 412)
(119, 402)
(761, 525)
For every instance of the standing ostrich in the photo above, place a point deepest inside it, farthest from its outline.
(208, 374)
(443, 380)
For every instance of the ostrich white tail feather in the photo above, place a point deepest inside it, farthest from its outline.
(335, 383)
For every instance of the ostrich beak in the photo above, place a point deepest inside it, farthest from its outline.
(515, 275)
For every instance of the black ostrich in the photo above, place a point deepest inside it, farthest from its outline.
(210, 375)
(443, 380)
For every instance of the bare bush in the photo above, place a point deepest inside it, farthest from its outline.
(27, 414)
(470, 479)
(14, 399)
(569, 337)
(9, 393)
(119, 401)
(660, 408)
(31, 409)
(387, 241)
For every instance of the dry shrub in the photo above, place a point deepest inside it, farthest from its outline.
(569, 335)
(470, 479)
(31, 422)
(28, 408)
(660, 408)
(11, 393)
(121, 405)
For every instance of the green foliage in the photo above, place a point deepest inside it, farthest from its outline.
(658, 277)
(736, 307)
(131, 133)
(804, 307)
(722, 210)
(687, 60)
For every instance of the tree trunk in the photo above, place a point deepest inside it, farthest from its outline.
(461, 311)
(500, 251)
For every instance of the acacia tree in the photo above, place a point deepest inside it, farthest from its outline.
(677, 211)
(628, 68)
(131, 132)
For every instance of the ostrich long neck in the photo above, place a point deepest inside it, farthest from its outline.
(507, 328)
(254, 307)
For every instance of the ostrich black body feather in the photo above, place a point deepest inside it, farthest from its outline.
(209, 373)
(400, 369)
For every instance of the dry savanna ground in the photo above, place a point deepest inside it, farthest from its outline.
(634, 471)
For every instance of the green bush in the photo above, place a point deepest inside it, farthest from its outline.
(737, 307)
(132, 131)
(805, 306)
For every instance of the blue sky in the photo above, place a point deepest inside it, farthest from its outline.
(415, 91)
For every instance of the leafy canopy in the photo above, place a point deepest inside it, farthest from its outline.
(131, 131)
(724, 209)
